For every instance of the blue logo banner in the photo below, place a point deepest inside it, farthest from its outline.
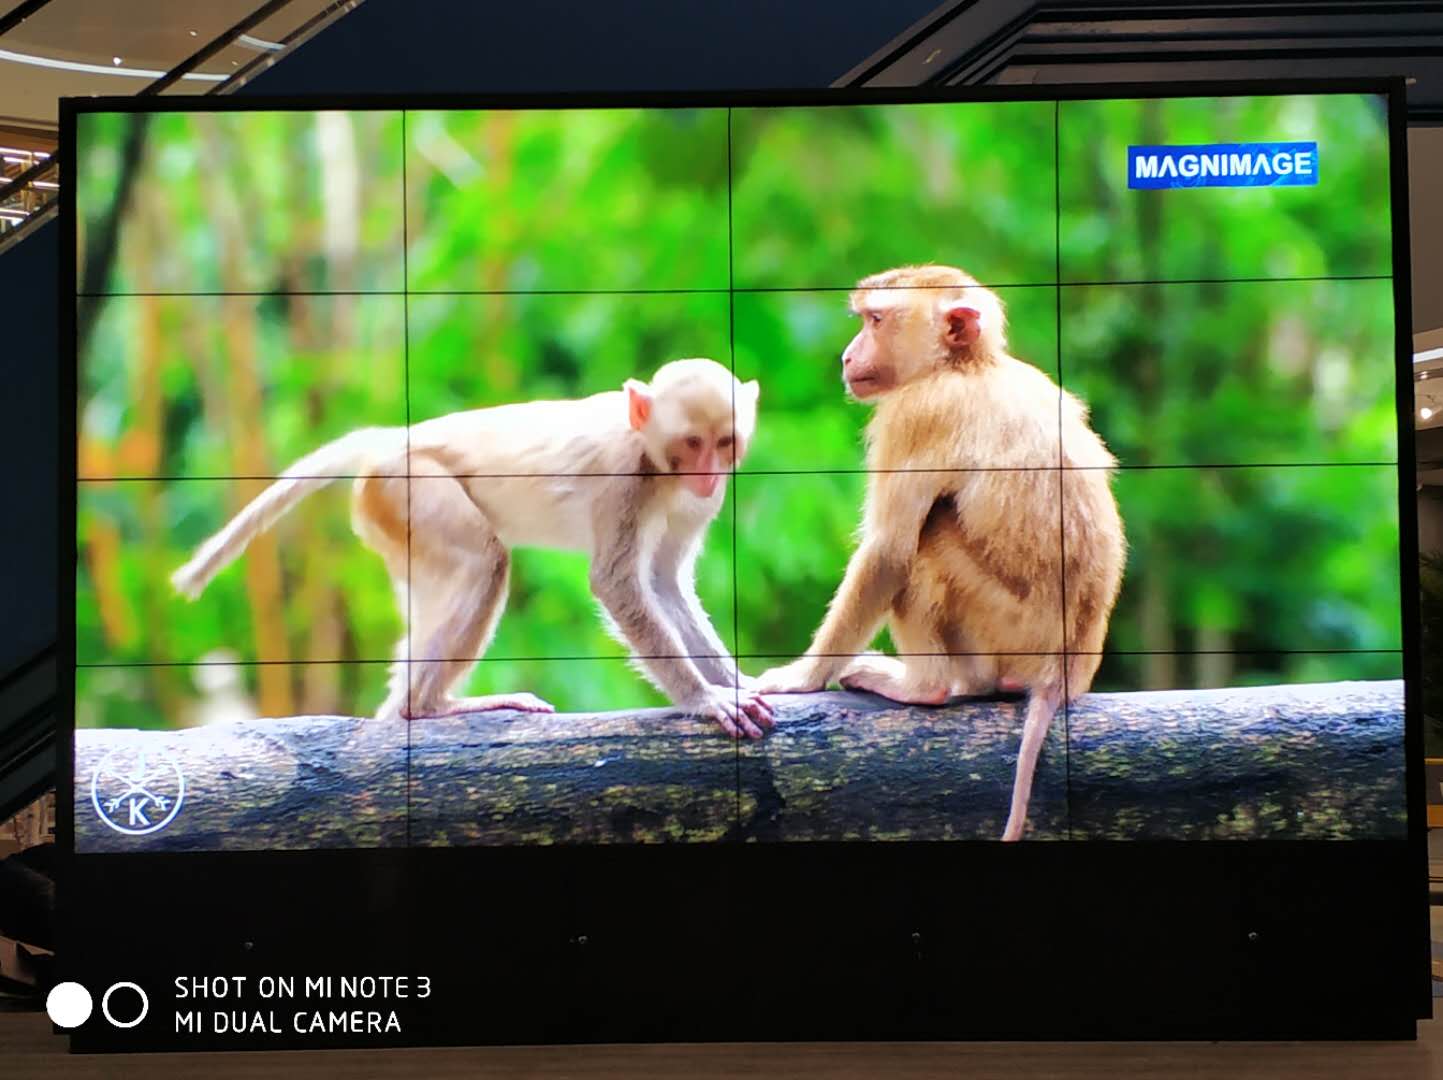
(1273, 164)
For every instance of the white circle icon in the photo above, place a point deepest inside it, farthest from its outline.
(105, 1005)
(137, 791)
(68, 1004)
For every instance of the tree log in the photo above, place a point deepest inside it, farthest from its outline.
(1320, 761)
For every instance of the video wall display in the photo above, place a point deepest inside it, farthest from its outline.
(1007, 470)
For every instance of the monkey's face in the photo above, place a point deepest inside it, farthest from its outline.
(697, 421)
(905, 335)
(897, 342)
(702, 458)
(866, 371)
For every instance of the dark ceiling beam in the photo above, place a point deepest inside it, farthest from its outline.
(951, 29)
(19, 13)
(972, 42)
(205, 52)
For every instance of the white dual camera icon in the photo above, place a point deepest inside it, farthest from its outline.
(69, 1005)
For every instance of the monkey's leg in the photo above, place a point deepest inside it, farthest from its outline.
(912, 683)
(459, 585)
(942, 643)
(977, 675)
(378, 516)
(924, 673)
(458, 571)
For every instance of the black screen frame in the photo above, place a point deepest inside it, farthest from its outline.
(1227, 882)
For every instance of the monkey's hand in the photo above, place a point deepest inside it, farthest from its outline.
(746, 682)
(739, 712)
(802, 676)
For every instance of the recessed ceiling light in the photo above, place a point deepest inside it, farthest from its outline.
(1426, 413)
(192, 33)
(117, 61)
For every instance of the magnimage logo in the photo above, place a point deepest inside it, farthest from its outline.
(1273, 164)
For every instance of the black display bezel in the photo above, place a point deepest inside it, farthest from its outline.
(1027, 886)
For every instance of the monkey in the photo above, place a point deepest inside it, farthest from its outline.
(632, 477)
(991, 543)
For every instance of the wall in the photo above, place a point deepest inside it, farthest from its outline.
(28, 408)
(1425, 208)
(459, 46)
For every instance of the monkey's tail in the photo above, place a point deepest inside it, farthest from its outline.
(1042, 705)
(346, 456)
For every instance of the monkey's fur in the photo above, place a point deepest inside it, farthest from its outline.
(991, 541)
(632, 477)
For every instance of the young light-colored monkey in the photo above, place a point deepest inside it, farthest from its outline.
(632, 477)
(972, 566)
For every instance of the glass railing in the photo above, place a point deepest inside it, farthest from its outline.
(222, 61)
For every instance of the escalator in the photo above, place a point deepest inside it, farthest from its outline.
(31, 175)
(235, 43)
(27, 732)
(30, 179)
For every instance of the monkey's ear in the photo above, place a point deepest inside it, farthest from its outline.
(961, 323)
(638, 401)
(753, 389)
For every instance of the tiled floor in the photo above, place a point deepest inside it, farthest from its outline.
(28, 1051)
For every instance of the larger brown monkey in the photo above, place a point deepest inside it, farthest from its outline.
(972, 566)
(633, 477)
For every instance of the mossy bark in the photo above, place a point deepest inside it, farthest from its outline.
(1295, 762)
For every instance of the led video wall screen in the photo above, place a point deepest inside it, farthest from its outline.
(863, 472)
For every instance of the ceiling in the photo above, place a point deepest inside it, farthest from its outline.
(149, 37)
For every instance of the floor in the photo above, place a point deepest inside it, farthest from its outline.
(28, 1051)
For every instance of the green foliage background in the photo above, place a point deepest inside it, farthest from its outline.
(256, 307)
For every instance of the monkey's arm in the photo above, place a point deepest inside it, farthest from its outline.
(874, 576)
(621, 580)
(878, 570)
(674, 578)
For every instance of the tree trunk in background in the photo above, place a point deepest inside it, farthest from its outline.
(1215, 662)
(262, 557)
(244, 403)
(141, 455)
(102, 243)
(340, 205)
(1156, 618)
(1159, 667)
(324, 635)
(500, 135)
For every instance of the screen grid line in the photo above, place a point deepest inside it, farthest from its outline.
(738, 289)
(1061, 473)
(735, 492)
(406, 379)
